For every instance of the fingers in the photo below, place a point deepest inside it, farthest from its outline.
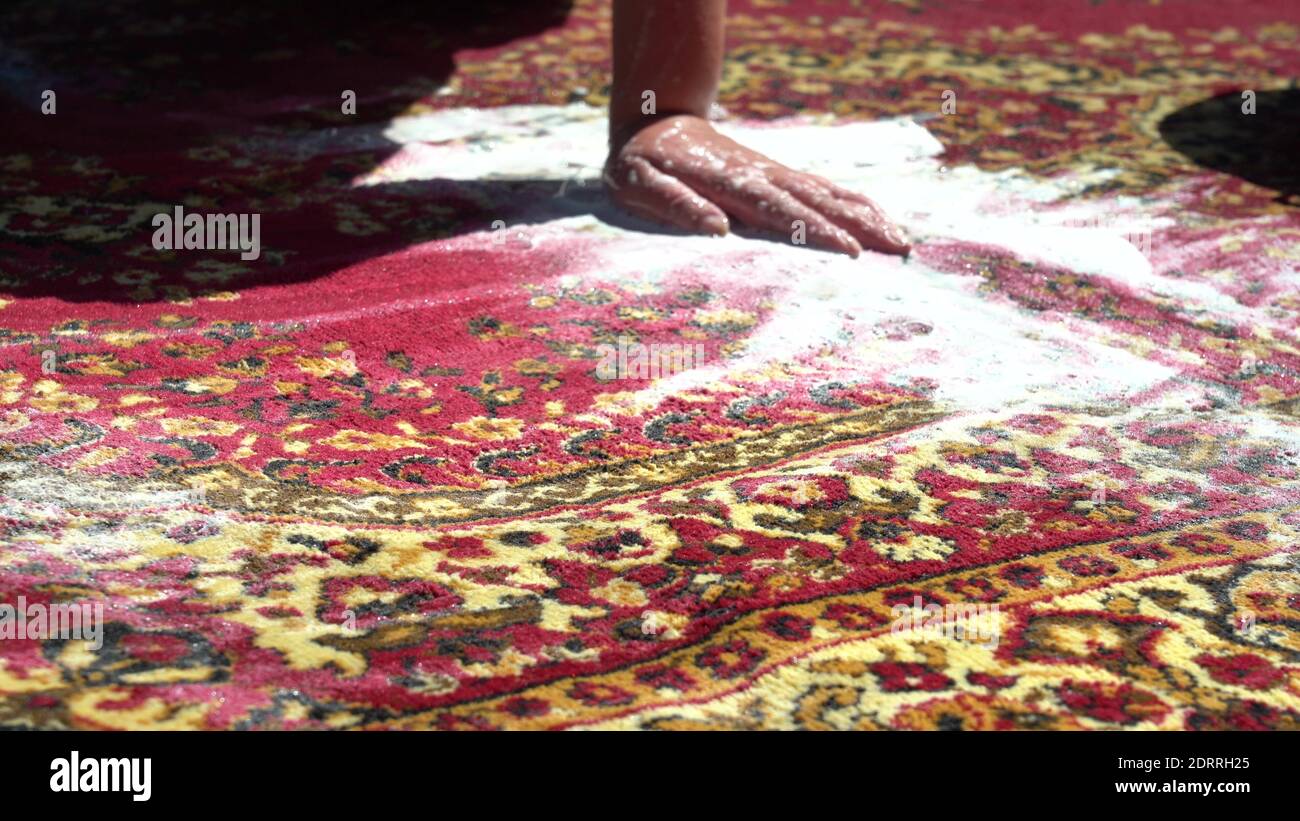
(842, 193)
(854, 213)
(697, 196)
(763, 205)
(646, 190)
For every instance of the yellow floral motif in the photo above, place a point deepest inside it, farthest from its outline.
(48, 396)
(724, 319)
(198, 426)
(210, 384)
(490, 430)
(366, 440)
(325, 367)
(127, 339)
(10, 382)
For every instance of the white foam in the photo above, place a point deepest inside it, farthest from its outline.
(982, 352)
(569, 142)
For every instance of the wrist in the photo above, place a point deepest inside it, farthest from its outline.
(623, 129)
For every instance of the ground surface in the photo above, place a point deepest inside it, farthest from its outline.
(378, 477)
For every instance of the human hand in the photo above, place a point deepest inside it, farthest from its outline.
(680, 171)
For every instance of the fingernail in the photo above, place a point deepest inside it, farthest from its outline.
(895, 235)
(716, 225)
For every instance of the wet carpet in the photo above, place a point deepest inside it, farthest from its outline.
(463, 448)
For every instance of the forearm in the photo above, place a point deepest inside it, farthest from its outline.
(670, 47)
(668, 163)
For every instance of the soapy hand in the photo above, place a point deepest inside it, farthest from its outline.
(680, 171)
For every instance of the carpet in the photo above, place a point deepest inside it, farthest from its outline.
(463, 448)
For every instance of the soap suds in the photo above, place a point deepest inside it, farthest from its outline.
(978, 352)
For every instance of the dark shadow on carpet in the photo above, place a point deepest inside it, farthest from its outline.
(1260, 148)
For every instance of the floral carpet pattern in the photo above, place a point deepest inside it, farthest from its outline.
(376, 479)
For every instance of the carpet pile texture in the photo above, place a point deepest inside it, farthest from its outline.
(381, 477)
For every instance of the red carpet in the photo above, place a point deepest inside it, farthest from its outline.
(375, 479)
